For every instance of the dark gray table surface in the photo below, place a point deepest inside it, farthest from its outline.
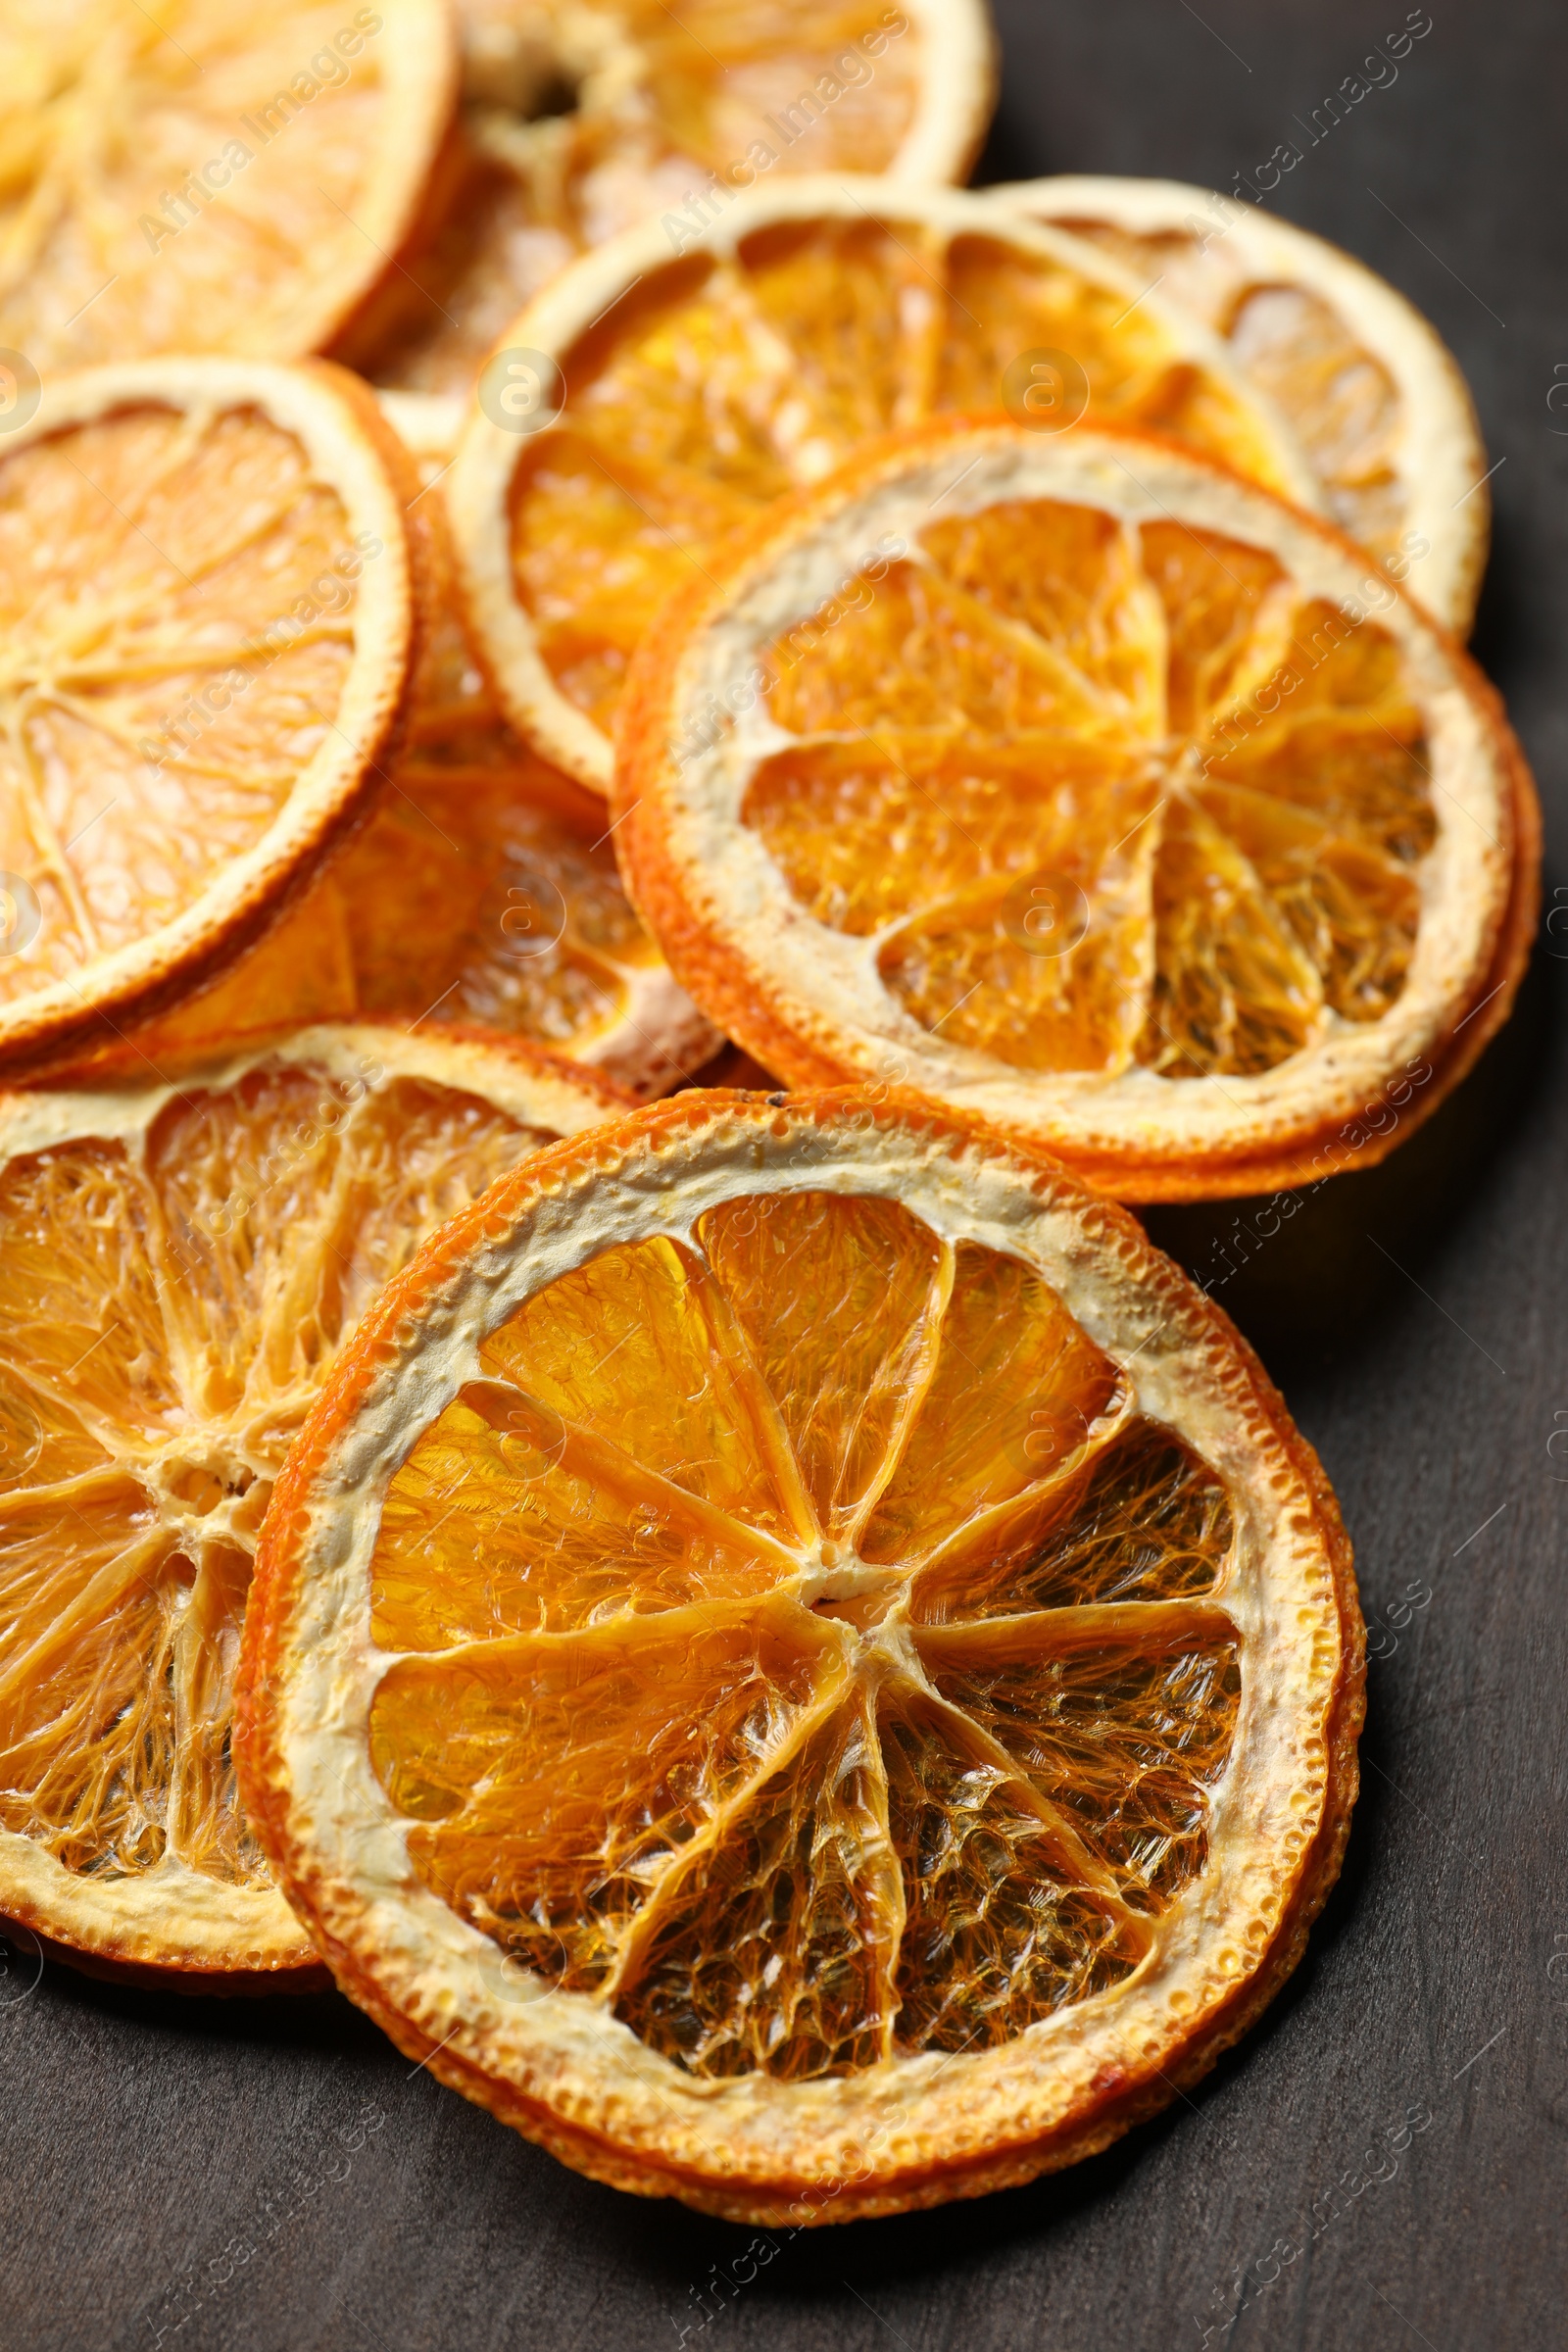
(1414, 1315)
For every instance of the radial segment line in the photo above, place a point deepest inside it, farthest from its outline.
(163, 556)
(932, 1323)
(605, 1634)
(188, 1357)
(265, 527)
(192, 429)
(892, 1867)
(923, 340)
(1081, 1625)
(729, 1338)
(108, 1585)
(1028, 644)
(81, 1486)
(75, 1406)
(991, 1524)
(1072, 1850)
(1176, 518)
(45, 832)
(603, 1462)
(119, 665)
(941, 283)
(201, 1715)
(684, 1865)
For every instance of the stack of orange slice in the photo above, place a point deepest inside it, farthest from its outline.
(684, 385)
(792, 1655)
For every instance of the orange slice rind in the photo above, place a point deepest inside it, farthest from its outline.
(180, 1262)
(801, 1664)
(1082, 786)
(1376, 398)
(668, 388)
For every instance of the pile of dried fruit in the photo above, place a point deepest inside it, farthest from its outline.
(770, 1635)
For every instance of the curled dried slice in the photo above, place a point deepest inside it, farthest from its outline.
(205, 588)
(180, 1264)
(1088, 789)
(669, 385)
(800, 1662)
(582, 117)
(238, 179)
(1376, 398)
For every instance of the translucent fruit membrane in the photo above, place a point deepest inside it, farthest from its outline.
(1100, 794)
(169, 1309)
(805, 1649)
(142, 558)
(582, 118)
(720, 385)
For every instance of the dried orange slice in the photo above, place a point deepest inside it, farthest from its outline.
(479, 892)
(482, 888)
(238, 182)
(679, 384)
(802, 1663)
(581, 116)
(179, 1265)
(206, 613)
(1083, 785)
(1376, 398)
